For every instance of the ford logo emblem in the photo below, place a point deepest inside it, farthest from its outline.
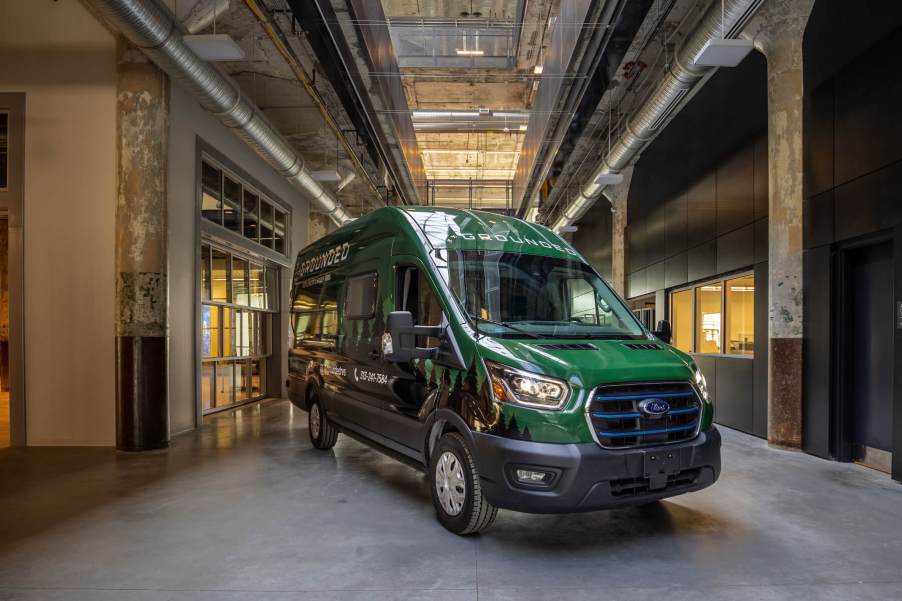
(654, 407)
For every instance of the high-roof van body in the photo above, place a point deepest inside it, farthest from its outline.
(488, 352)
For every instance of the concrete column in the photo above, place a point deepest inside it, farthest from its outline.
(617, 196)
(778, 32)
(317, 226)
(142, 128)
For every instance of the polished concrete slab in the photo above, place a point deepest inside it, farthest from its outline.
(244, 508)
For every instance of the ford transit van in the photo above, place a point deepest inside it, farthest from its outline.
(486, 351)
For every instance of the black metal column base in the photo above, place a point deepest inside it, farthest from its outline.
(142, 408)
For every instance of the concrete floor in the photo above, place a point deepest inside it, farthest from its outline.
(244, 508)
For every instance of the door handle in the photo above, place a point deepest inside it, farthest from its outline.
(374, 355)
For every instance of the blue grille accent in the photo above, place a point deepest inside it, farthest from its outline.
(646, 432)
(615, 417)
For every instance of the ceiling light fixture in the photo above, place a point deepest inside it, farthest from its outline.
(214, 47)
(467, 52)
(538, 69)
(609, 179)
(523, 128)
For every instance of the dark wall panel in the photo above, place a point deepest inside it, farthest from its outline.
(868, 96)
(734, 403)
(593, 237)
(654, 276)
(818, 220)
(869, 204)
(761, 236)
(677, 225)
(701, 261)
(816, 359)
(736, 249)
(675, 271)
(702, 207)
(736, 190)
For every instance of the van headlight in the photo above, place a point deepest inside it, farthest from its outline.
(701, 383)
(520, 387)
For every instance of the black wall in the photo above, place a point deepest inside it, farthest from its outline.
(593, 237)
(853, 182)
(698, 209)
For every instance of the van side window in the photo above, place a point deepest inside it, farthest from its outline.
(314, 313)
(360, 297)
(415, 294)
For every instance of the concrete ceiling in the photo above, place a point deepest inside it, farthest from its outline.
(266, 78)
(503, 80)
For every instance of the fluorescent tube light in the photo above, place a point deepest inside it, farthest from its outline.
(466, 52)
(609, 179)
(723, 53)
(214, 47)
(328, 175)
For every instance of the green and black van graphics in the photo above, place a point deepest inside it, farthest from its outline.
(488, 351)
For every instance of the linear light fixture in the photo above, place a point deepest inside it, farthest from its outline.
(214, 47)
(609, 179)
(719, 52)
(468, 52)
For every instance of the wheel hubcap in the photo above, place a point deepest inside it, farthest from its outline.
(450, 483)
(314, 421)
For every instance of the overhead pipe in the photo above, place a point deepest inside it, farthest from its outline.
(203, 14)
(723, 19)
(155, 31)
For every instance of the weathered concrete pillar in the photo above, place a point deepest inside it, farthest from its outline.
(317, 226)
(778, 32)
(142, 120)
(617, 196)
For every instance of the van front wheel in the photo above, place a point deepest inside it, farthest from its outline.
(322, 433)
(456, 492)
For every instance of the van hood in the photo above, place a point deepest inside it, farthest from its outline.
(588, 363)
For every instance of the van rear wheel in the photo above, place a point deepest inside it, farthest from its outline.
(456, 492)
(322, 433)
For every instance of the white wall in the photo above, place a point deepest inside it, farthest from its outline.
(188, 121)
(65, 63)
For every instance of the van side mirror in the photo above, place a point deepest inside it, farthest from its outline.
(663, 332)
(399, 342)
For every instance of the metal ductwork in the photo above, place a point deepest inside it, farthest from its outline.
(154, 30)
(723, 20)
(203, 14)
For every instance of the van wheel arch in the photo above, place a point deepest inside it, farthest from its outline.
(445, 422)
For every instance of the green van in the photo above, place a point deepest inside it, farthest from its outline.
(486, 351)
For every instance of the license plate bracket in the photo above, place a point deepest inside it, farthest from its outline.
(658, 465)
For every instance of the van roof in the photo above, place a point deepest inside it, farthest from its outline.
(462, 229)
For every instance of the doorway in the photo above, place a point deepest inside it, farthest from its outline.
(867, 330)
(12, 267)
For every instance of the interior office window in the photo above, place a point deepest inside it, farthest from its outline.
(205, 269)
(233, 327)
(4, 150)
(211, 194)
(360, 298)
(266, 225)
(220, 276)
(708, 318)
(258, 294)
(681, 319)
(740, 313)
(280, 223)
(231, 208)
(251, 218)
(240, 294)
(229, 201)
(582, 301)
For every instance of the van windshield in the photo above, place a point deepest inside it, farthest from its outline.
(522, 295)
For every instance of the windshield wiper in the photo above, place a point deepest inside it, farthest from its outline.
(507, 325)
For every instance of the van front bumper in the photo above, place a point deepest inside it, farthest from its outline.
(586, 477)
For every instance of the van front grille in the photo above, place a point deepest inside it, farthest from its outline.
(624, 416)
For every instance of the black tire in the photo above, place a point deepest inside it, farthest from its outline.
(322, 433)
(472, 513)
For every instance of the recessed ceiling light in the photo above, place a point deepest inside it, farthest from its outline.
(723, 53)
(214, 47)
